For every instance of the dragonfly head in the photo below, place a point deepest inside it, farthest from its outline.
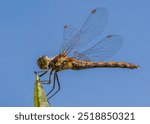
(43, 62)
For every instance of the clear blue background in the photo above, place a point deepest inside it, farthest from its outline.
(31, 28)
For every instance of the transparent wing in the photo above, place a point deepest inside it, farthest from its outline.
(103, 50)
(68, 33)
(91, 28)
(81, 56)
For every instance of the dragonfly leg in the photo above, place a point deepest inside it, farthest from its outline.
(53, 86)
(50, 78)
(44, 72)
(56, 77)
(45, 81)
(37, 72)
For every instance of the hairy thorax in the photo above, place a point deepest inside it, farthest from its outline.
(61, 62)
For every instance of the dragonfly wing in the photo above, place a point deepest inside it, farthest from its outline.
(91, 28)
(68, 33)
(81, 56)
(103, 50)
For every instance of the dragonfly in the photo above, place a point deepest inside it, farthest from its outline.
(74, 54)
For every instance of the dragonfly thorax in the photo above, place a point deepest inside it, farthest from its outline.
(60, 62)
(43, 62)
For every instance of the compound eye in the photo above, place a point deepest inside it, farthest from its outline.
(43, 62)
(41, 65)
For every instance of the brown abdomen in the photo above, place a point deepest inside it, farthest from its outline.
(84, 65)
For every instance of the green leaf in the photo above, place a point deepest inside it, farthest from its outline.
(40, 99)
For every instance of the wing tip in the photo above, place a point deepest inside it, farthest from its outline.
(109, 36)
(93, 11)
(102, 9)
(65, 26)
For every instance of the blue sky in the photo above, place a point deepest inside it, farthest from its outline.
(29, 29)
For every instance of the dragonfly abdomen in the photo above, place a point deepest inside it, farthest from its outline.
(84, 65)
(117, 65)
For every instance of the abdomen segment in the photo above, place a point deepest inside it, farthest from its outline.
(84, 65)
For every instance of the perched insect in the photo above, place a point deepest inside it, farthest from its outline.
(74, 41)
